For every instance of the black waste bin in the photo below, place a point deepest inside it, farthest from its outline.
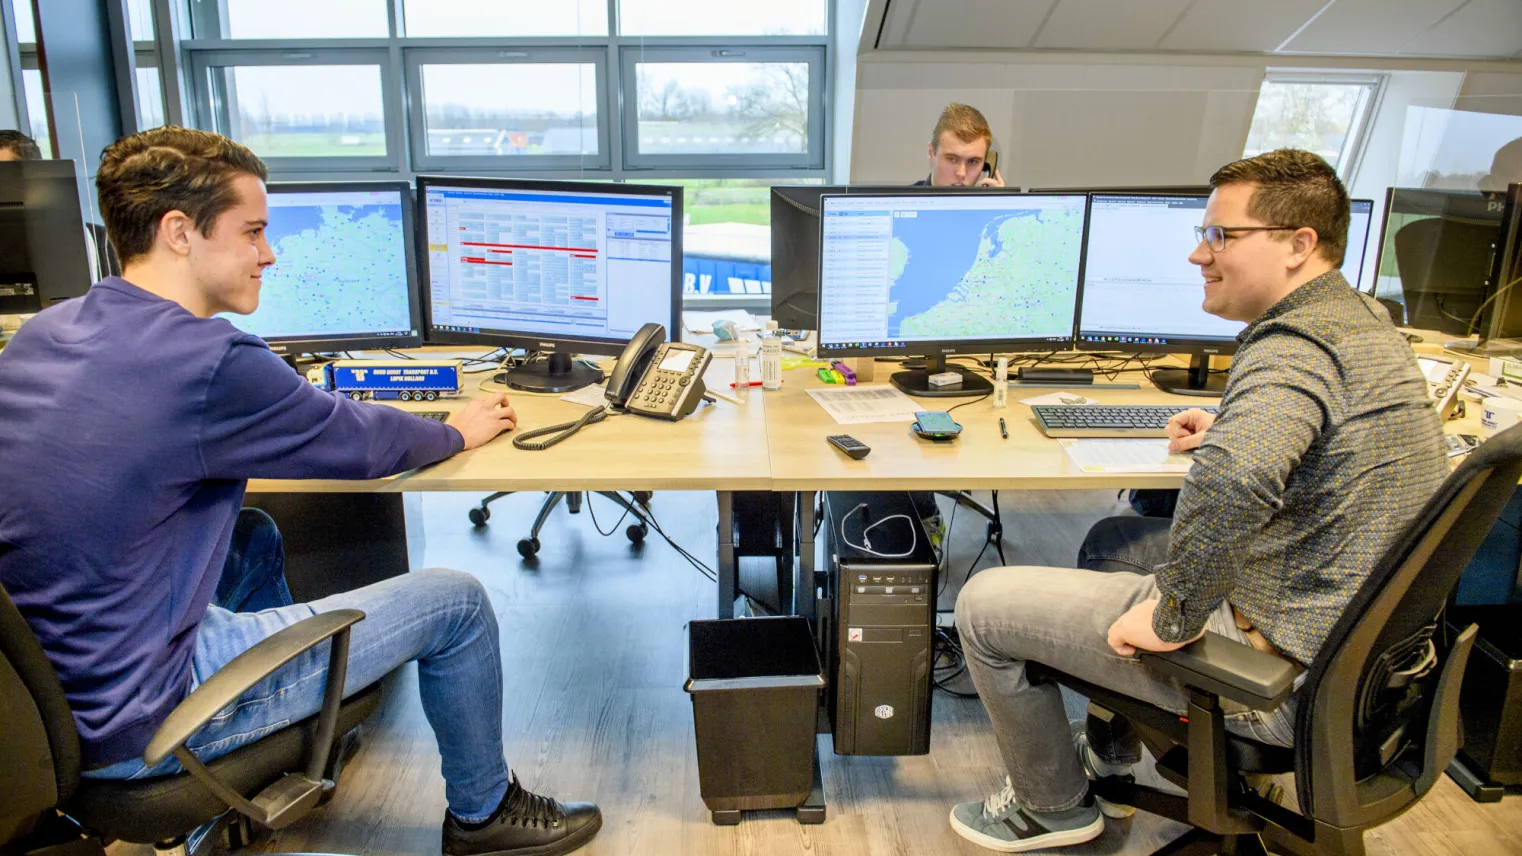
(755, 686)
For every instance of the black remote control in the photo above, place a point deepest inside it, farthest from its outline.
(850, 445)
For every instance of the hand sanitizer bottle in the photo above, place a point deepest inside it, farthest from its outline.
(742, 368)
(771, 358)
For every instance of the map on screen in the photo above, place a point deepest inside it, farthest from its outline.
(339, 268)
(970, 274)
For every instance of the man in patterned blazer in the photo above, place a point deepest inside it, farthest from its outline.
(1324, 450)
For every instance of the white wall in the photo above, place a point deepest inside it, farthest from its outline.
(849, 15)
(1074, 119)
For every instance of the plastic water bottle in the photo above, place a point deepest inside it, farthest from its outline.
(742, 367)
(771, 358)
(1001, 383)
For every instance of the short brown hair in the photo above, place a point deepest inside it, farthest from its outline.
(964, 122)
(147, 175)
(25, 147)
(1295, 188)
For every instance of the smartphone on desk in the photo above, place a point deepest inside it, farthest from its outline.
(936, 425)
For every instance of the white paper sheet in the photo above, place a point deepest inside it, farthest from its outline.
(702, 322)
(592, 396)
(1125, 456)
(858, 405)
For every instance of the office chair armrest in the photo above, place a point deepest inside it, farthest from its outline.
(1229, 669)
(237, 677)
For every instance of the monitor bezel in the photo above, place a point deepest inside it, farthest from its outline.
(537, 342)
(1357, 280)
(305, 344)
(954, 347)
(1198, 345)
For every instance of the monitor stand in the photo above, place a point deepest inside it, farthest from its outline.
(1195, 380)
(917, 382)
(558, 373)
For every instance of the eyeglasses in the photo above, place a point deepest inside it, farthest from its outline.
(1216, 235)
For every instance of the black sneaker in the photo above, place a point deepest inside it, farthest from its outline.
(525, 824)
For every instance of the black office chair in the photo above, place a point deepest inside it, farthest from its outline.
(1443, 263)
(46, 807)
(1378, 717)
(528, 547)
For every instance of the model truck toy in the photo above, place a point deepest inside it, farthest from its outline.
(406, 380)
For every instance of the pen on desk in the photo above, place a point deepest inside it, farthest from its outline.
(1003, 429)
(752, 383)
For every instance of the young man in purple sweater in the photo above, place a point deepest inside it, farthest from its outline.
(130, 422)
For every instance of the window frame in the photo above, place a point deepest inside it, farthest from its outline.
(417, 125)
(812, 158)
(1350, 155)
(212, 102)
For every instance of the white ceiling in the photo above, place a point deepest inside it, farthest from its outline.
(1466, 29)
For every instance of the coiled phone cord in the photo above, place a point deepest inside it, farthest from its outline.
(565, 429)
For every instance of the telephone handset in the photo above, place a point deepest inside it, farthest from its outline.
(632, 363)
(1444, 380)
(658, 378)
(991, 160)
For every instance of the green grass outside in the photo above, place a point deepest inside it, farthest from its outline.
(315, 145)
(758, 213)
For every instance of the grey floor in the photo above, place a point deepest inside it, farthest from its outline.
(593, 639)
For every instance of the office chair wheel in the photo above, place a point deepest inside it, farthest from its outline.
(479, 515)
(527, 547)
(636, 533)
(641, 496)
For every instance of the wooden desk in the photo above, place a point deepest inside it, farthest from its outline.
(346, 540)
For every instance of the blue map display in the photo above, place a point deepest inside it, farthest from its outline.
(339, 270)
(984, 273)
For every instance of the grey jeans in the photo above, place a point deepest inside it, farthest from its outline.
(1062, 617)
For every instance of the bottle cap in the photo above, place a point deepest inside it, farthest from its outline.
(771, 326)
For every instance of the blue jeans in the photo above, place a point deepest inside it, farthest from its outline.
(1061, 617)
(442, 619)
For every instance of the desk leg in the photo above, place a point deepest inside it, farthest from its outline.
(728, 568)
(804, 597)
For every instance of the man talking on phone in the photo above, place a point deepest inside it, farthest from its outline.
(960, 151)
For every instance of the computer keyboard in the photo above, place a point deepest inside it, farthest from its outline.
(1108, 420)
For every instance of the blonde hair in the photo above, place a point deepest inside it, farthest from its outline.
(964, 122)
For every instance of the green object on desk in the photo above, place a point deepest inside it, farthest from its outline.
(827, 375)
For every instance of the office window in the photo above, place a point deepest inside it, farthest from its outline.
(140, 20)
(726, 233)
(26, 26)
(515, 18)
(756, 107)
(722, 17)
(291, 19)
(305, 111)
(510, 109)
(1326, 115)
(150, 98)
(37, 109)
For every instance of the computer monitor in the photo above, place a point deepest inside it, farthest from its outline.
(934, 274)
(1500, 325)
(554, 267)
(1436, 249)
(1361, 217)
(344, 276)
(1140, 292)
(795, 245)
(43, 256)
(1175, 189)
